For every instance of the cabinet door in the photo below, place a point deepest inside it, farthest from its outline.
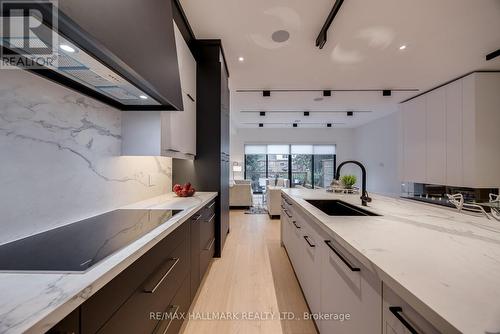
(454, 164)
(182, 126)
(414, 140)
(436, 136)
(469, 158)
(348, 288)
(400, 318)
(311, 262)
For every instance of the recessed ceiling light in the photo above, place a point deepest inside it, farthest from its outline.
(67, 48)
(241, 59)
(402, 47)
(144, 97)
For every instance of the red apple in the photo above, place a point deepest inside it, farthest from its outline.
(187, 186)
(177, 188)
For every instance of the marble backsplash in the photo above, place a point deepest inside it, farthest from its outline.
(60, 158)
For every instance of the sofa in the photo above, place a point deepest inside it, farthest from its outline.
(240, 193)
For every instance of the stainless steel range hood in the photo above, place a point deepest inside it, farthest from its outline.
(96, 53)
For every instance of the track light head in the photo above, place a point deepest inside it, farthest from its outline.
(262, 113)
(327, 93)
(266, 93)
(386, 92)
(306, 113)
(261, 125)
(350, 113)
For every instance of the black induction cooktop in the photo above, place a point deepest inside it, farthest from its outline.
(78, 246)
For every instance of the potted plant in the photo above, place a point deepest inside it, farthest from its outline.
(348, 181)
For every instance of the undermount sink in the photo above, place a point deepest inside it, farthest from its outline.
(334, 207)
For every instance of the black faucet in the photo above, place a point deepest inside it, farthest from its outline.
(364, 194)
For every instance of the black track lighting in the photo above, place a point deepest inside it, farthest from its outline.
(306, 113)
(262, 113)
(261, 125)
(327, 93)
(386, 92)
(350, 113)
(266, 93)
(295, 125)
(328, 125)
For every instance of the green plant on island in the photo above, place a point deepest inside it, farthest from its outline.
(348, 181)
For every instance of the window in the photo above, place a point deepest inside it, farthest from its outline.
(277, 161)
(324, 165)
(302, 162)
(256, 165)
(309, 166)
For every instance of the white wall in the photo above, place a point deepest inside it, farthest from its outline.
(60, 158)
(377, 146)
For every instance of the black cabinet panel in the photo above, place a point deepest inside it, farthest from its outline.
(195, 224)
(152, 296)
(69, 325)
(210, 171)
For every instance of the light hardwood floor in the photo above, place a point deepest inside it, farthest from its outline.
(254, 275)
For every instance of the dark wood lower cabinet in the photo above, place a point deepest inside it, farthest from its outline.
(153, 294)
(69, 325)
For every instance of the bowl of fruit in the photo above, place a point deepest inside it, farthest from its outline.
(184, 191)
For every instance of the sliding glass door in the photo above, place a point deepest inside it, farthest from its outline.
(308, 166)
(302, 163)
(324, 165)
(277, 161)
(256, 165)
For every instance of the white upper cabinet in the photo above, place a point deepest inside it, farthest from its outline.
(169, 133)
(454, 159)
(436, 136)
(414, 134)
(454, 132)
(182, 134)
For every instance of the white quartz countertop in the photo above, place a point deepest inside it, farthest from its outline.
(35, 302)
(443, 263)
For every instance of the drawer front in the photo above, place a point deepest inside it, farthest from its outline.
(209, 210)
(207, 231)
(206, 254)
(153, 295)
(195, 224)
(177, 309)
(399, 317)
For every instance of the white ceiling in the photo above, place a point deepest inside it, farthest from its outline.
(445, 39)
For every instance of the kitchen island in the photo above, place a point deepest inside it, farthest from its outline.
(442, 265)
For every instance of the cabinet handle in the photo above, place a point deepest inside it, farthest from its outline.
(195, 218)
(286, 212)
(171, 315)
(172, 150)
(151, 286)
(210, 245)
(329, 244)
(295, 224)
(308, 242)
(282, 206)
(190, 97)
(211, 218)
(397, 311)
(211, 205)
(287, 201)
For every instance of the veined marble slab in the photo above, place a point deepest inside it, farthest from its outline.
(33, 303)
(443, 263)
